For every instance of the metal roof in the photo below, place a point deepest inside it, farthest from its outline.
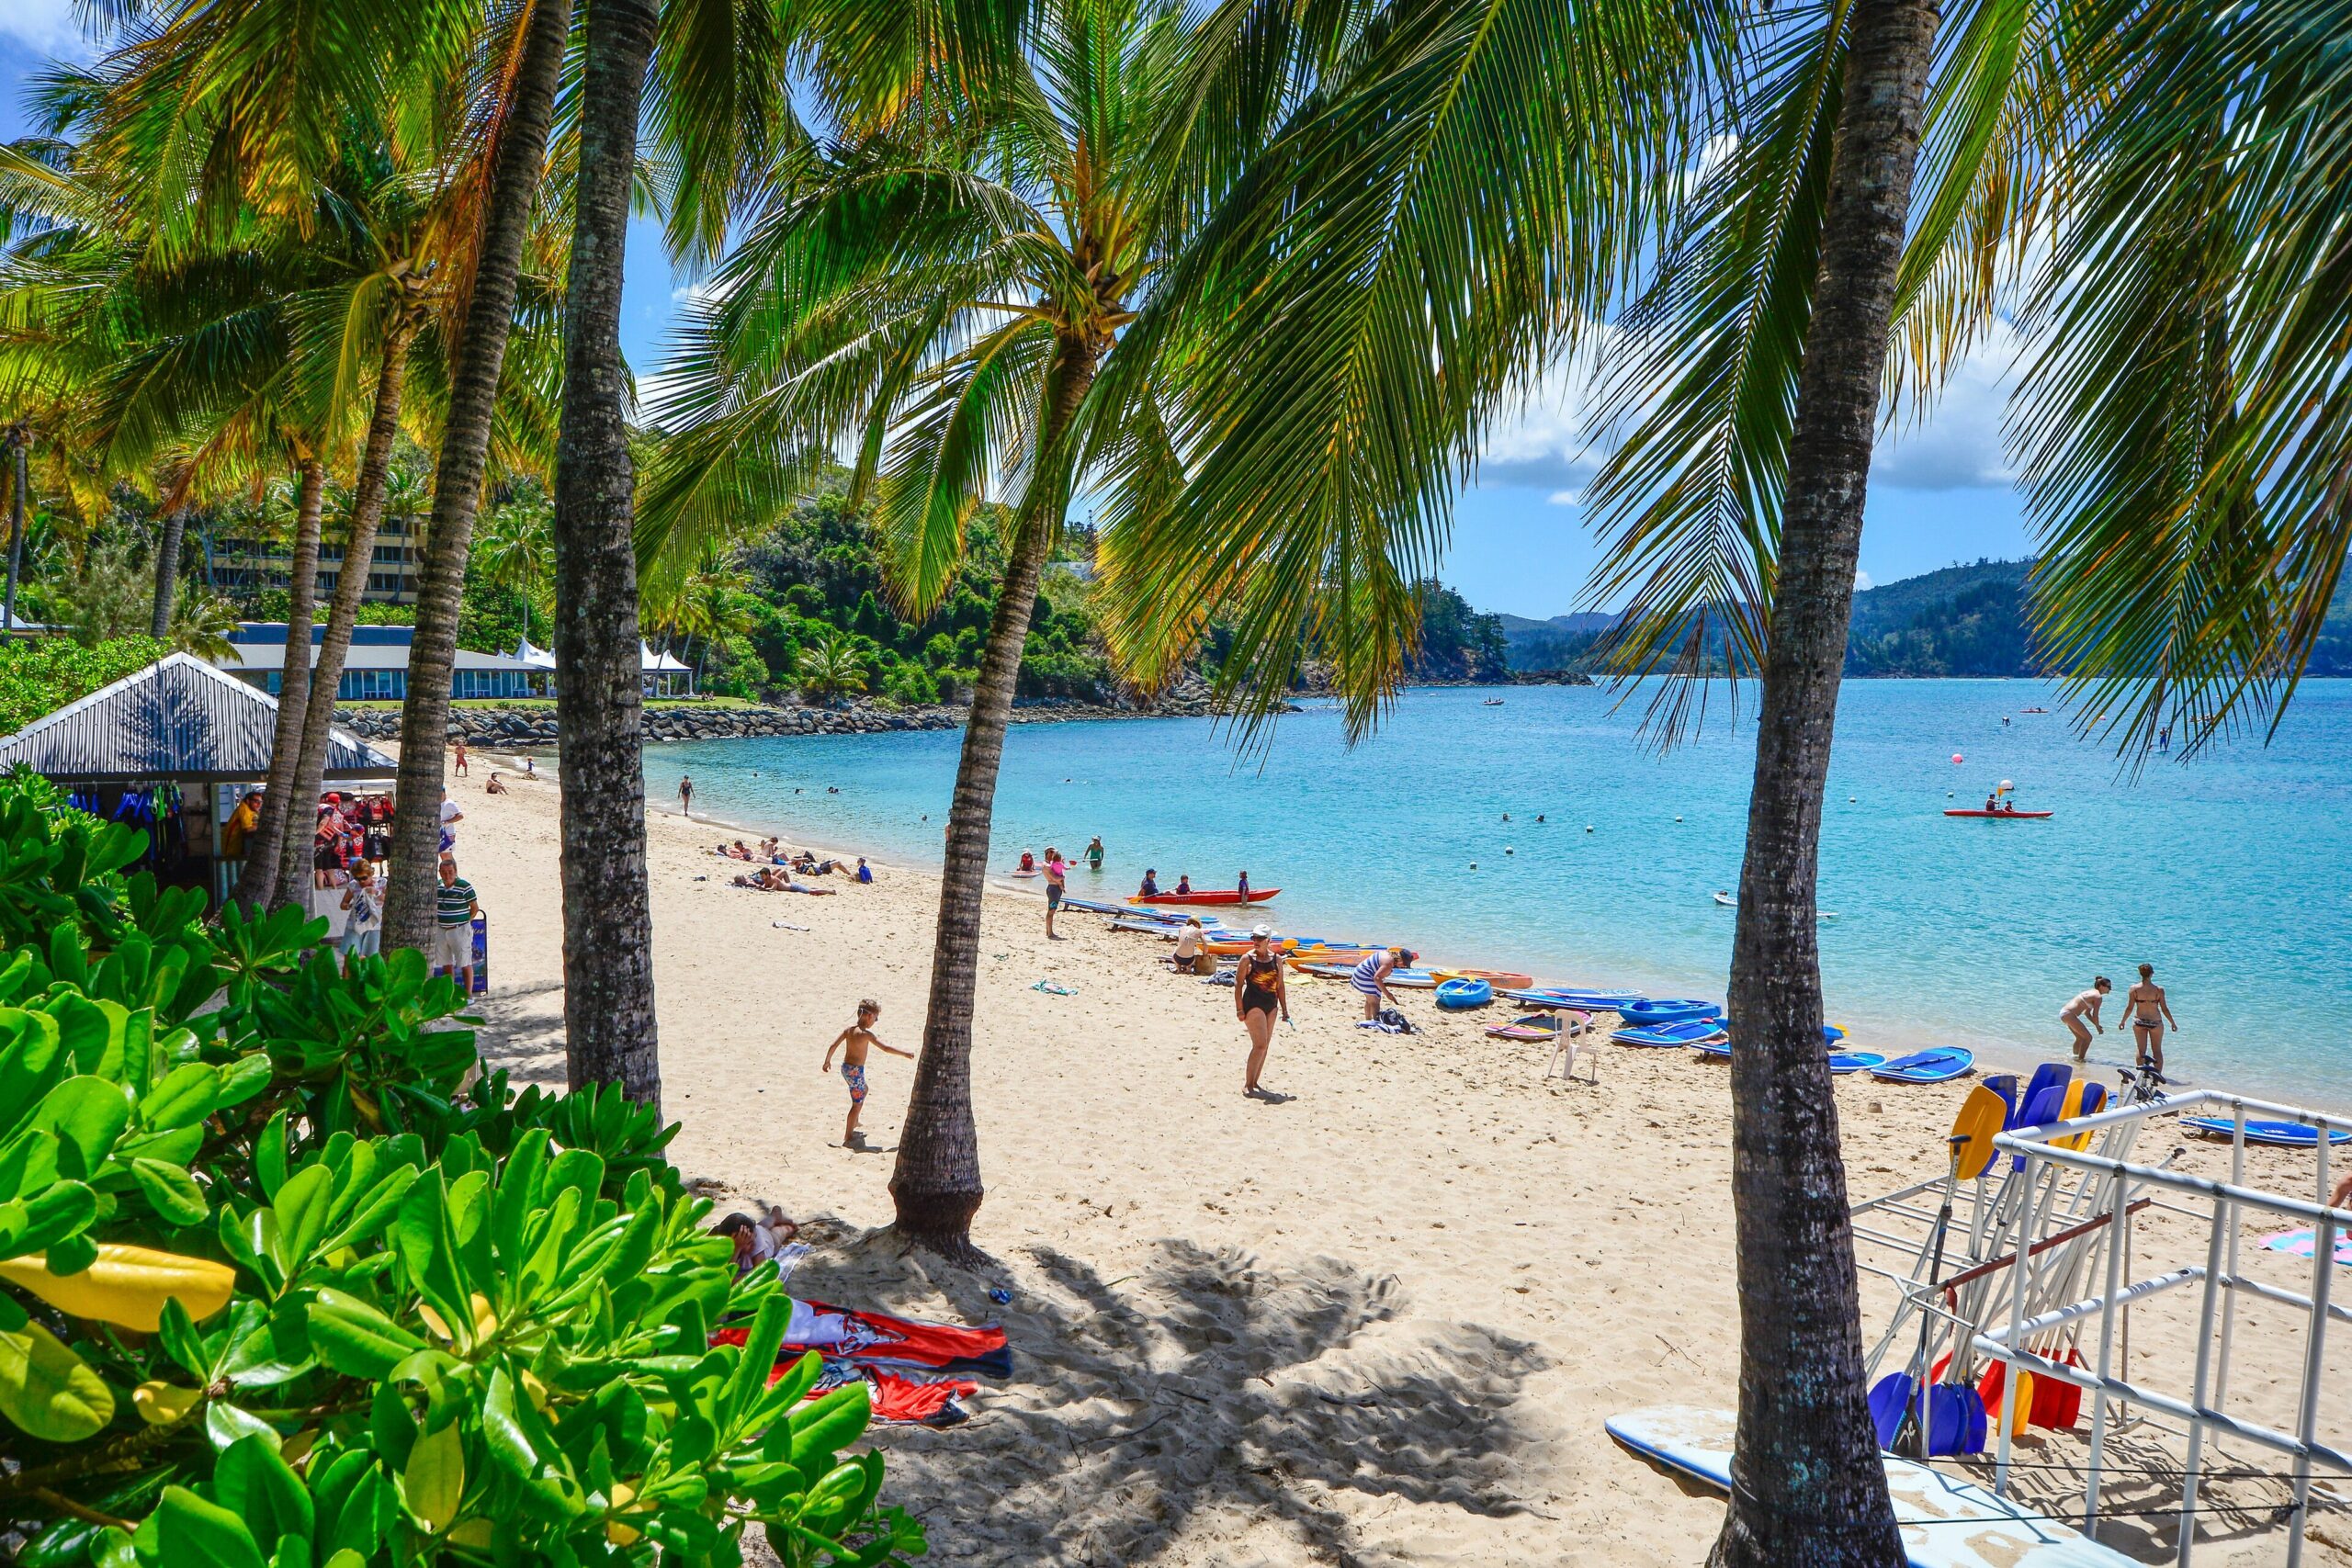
(177, 719)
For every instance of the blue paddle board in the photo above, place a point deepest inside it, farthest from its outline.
(2277, 1135)
(1941, 1065)
(1945, 1522)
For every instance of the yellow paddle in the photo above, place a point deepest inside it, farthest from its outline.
(1973, 1130)
(2069, 1109)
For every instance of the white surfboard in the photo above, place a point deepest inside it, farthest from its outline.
(1947, 1522)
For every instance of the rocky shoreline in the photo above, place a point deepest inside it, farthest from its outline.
(858, 716)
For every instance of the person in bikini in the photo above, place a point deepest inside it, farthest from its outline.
(2072, 1015)
(853, 1043)
(2151, 1015)
(1258, 991)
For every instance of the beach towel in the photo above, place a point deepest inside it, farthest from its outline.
(1055, 988)
(877, 1339)
(901, 1398)
(2300, 1244)
(1390, 1022)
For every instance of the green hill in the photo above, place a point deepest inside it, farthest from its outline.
(1961, 620)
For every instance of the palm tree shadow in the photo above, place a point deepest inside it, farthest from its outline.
(522, 1030)
(1209, 1387)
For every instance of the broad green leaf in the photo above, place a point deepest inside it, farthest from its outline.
(172, 1191)
(826, 1425)
(246, 1077)
(91, 1033)
(48, 1390)
(197, 1534)
(434, 1482)
(254, 1481)
(228, 1424)
(301, 1209)
(189, 1093)
(269, 1157)
(354, 1337)
(88, 1115)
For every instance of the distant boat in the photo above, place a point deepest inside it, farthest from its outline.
(2002, 815)
(1494, 701)
(1210, 895)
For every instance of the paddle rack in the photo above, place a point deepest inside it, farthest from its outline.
(2038, 1275)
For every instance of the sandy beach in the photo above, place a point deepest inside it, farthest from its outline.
(1379, 1321)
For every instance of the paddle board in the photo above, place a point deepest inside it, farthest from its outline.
(1945, 1522)
(2277, 1135)
(2005, 816)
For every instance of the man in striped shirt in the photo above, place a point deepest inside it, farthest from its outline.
(453, 930)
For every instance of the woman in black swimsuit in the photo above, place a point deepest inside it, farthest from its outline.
(1258, 991)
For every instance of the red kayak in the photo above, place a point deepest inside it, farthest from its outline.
(1211, 896)
(2036, 816)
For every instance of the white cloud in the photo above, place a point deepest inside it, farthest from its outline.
(46, 26)
(1957, 447)
(1546, 441)
(1862, 579)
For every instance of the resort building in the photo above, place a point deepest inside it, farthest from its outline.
(374, 668)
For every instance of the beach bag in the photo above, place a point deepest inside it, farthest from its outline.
(1204, 963)
(1396, 1023)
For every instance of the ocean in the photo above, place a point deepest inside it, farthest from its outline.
(2228, 872)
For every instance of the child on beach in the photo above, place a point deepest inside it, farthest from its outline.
(853, 1043)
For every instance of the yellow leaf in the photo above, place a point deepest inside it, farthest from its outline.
(128, 1285)
(485, 1320)
(159, 1402)
(619, 1534)
(473, 1534)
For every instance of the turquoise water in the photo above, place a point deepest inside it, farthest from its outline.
(2229, 874)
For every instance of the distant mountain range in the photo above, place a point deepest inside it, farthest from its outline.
(1961, 620)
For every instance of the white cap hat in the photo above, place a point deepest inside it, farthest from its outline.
(1259, 933)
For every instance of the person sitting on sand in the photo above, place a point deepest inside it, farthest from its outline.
(493, 787)
(1151, 888)
(2072, 1015)
(1184, 885)
(772, 850)
(853, 1043)
(1371, 976)
(864, 872)
(756, 1241)
(1190, 941)
(2150, 1016)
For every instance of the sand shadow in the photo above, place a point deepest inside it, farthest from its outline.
(522, 1030)
(1208, 1384)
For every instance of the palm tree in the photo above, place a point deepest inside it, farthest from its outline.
(2179, 419)
(515, 550)
(167, 568)
(607, 920)
(478, 358)
(830, 667)
(1033, 236)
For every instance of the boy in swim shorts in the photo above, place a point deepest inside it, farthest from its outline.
(853, 1043)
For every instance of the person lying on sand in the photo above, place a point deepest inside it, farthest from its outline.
(853, 1043)
(776, 879)
(756, 1241)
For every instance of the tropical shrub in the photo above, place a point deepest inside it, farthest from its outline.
(39, 675)
(277, 1291)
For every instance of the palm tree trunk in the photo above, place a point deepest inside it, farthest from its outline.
(276, 838)
(18, 439)
(936, 1184)
(168, 570)
(350, 586)
(479, 357)
(607, 919)
(1809, 1485)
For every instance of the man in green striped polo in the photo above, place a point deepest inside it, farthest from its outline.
(453, 931)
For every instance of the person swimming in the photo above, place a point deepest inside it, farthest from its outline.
(1028, 861)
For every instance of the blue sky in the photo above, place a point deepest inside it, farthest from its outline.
(1940, 493)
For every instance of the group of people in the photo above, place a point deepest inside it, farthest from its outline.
(2148, 1016)
(780, 870)
(1151, 888)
